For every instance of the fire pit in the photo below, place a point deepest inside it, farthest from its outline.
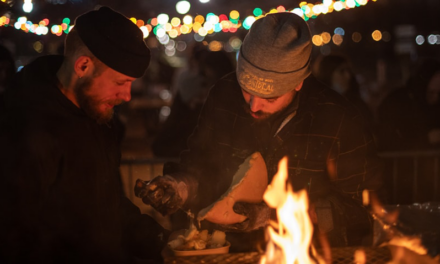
(290, 237)
(380, 255)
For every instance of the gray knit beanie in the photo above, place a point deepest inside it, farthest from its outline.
(275, 56)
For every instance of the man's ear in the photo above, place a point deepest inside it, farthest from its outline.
(299, 86)
(82, 65)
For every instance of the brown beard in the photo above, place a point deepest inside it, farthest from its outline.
(91, 106)
(267, 117)
(263, 116)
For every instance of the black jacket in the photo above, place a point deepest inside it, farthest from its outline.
(61, 198)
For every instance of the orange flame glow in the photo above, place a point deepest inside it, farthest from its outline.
(290, 238)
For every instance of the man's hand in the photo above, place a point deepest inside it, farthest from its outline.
(163, 193)
(258, 215)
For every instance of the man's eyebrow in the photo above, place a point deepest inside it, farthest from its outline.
(272, 98)
(125, 80)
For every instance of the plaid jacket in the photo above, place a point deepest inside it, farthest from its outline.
(328, 147)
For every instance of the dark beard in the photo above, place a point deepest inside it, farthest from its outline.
(268, 118)
(89, 105)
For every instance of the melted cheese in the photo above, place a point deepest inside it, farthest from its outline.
(248, 185)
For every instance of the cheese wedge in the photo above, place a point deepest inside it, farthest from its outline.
(248, 185)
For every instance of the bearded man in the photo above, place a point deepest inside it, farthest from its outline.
(272, 105)
(61, 196)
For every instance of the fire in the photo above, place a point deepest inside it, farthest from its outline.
(290, 238)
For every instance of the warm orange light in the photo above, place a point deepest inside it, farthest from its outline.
(289, 239)
(376, 35)
(317, 40)
(215, 46)
(140, 23)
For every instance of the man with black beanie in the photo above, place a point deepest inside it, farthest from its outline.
(61, 197)
(273, 106)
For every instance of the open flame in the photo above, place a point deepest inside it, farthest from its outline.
(290, 238)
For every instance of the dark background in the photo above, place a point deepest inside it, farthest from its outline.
(384, 15)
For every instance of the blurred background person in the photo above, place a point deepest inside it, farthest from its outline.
(336, 71)
(409, 117)
(409, 121)
(7, 72)
(191, 87)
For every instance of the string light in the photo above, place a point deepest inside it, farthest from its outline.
(211, 24)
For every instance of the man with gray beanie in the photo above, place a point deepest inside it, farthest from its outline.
(61, 195)
(272, 105)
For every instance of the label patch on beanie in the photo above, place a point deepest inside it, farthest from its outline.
(258, 85)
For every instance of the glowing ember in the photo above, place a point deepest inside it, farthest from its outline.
(360, 257)
(289, 239)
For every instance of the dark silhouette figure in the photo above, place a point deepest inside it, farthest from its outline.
(336, 71)
(409, 117)
(191, 87)
(408, 121)
(7, 72)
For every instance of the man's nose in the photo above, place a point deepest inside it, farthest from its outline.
(125, 93)
(255, 103)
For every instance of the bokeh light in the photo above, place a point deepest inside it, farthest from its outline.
(376, 35)
(200, 19)
(337, 39)
(182, 7)
(198, 37)
(28, 6)
(235, 43)
(432, 39)
(247, 23)
(327, 2)
(162, 19)
(160, 32)
(298, 11)
(338, 6)
(326, 37)
(187, 20)
(281, 9)
(356, 37)
(350, 3)
(154, 22)
(181, 45)
(175, 21)
(420, 40)
(339, 31)
(212, 18)
(234, 14)
(197, 26)
(257, 12)
(208, 26)
(145, 31)
(185, 29)
(38, 46)
(203, 31)
(215, 46)
(317, 40)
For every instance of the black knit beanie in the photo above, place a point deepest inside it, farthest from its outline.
(114, 40)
